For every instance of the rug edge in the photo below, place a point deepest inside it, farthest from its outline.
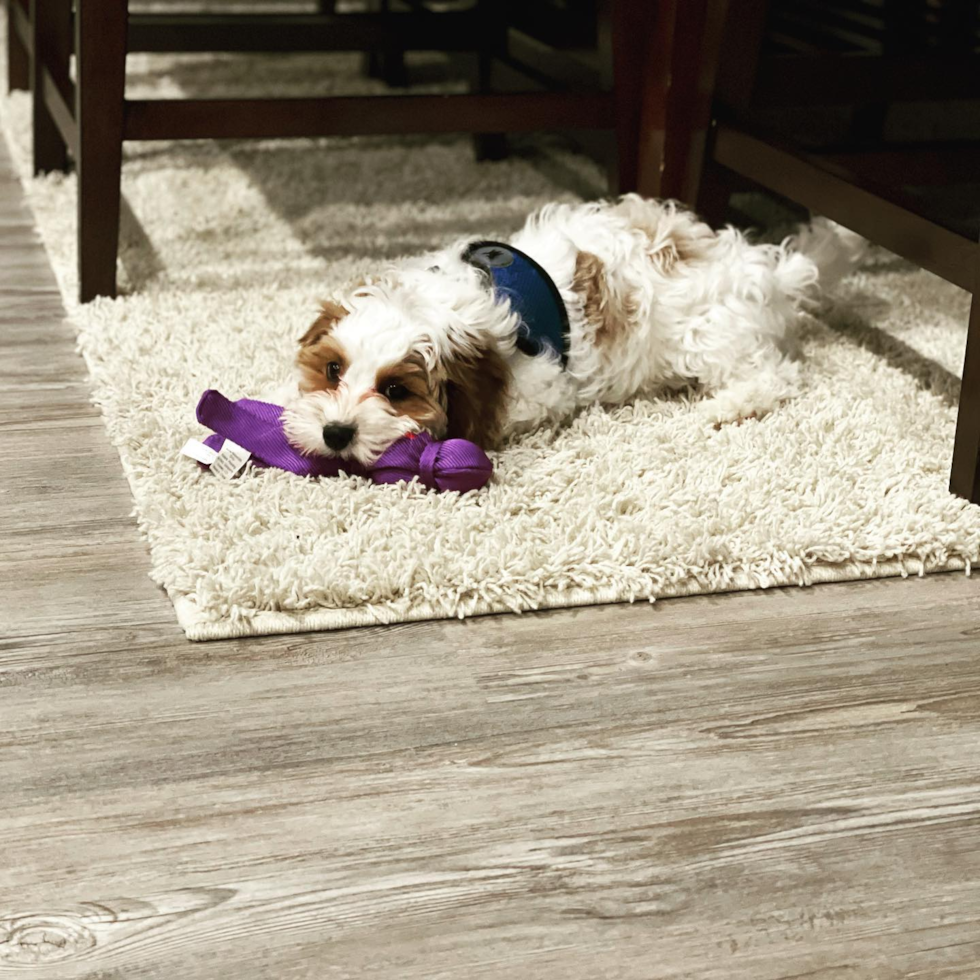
(276, 623)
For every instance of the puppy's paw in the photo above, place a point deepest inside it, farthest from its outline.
(730, 406)
(752, 398)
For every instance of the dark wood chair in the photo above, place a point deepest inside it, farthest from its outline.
(18, 39)
(748, 75)
(88, 119)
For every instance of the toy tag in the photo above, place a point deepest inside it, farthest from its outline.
(200, 452)
(230, 460)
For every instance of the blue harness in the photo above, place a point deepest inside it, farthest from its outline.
(531, 292)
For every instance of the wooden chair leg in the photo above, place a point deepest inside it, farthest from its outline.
(18, 58)
(51, 43)
(387, 65)
(665, 58)
(693, 63)
(965, 476)
(489, 146)
(100, 45)
(623, 28)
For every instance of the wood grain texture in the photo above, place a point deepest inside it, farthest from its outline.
(746, 787)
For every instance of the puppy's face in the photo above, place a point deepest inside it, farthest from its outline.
(362, 385)
(376, 369)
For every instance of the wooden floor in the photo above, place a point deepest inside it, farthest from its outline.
(745, 787)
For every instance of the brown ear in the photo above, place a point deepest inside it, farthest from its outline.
(330, 315)
(477, 389)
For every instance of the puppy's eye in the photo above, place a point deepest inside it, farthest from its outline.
(395, 392)
(333, 371)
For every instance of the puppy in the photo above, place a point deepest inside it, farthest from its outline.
(588, 302)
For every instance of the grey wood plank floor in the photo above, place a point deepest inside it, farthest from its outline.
(745, 787)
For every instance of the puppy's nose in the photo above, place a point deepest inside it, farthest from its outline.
(337, 437)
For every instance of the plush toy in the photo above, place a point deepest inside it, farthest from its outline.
(453, 464)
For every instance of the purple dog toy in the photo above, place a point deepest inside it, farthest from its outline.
(454, 464)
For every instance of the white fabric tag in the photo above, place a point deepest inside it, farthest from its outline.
(200, 452)
(230, 460)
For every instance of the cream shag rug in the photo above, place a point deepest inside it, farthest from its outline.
(233, 244)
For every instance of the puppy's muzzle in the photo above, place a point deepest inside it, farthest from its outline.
(338, 437)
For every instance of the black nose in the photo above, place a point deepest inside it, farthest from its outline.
(338, 437)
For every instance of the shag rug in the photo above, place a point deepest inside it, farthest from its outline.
(226, 249)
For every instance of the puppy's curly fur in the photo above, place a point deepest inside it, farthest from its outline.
(655, 298)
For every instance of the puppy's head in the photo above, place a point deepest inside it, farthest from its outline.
(381, 365)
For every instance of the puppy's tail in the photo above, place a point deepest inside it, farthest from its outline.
(818, 256)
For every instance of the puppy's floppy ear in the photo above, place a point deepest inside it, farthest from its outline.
(330, 315)
(477, 389)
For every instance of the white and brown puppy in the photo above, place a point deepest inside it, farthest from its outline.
(653, 298)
